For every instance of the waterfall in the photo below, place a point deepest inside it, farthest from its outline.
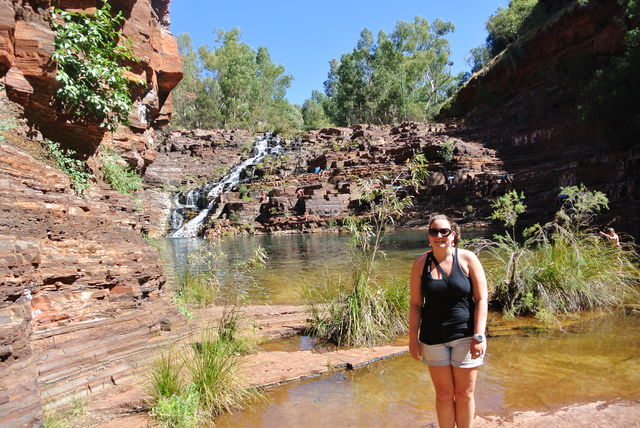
(194, 199)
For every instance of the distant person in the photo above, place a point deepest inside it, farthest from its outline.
(612, 236)
(447, 320)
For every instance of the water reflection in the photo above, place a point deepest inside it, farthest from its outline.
(297, 261)
(595, 360)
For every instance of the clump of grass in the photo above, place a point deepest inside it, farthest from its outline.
(202, 380)
(367, 314)
(73, 416)
(363, 312)
(166, 376)
(118, 174)
(197, 288)
(563, 266)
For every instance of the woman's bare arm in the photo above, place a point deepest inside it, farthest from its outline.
(480, 297)
(415, 305)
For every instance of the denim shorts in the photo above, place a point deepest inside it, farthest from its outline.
(455, 353)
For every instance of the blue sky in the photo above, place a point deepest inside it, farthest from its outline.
(305, 35)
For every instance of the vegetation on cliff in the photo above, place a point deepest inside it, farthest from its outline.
(89, 55)
(560, 267)
(232, 85)
(611, 95)
(75, 169)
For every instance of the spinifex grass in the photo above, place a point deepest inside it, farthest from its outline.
(566, 272)
(367, 314)
(202, 380)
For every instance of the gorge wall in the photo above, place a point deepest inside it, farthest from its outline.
(528, 105)
(80, 291)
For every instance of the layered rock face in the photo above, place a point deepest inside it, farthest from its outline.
(80, 290)
(80, 297)
(26, 47)
(525, 106)
(311, 184)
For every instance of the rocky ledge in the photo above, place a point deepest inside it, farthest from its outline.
(81, 298)
(311, 184)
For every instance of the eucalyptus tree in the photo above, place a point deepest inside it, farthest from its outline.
(403, 75)
(232, 85)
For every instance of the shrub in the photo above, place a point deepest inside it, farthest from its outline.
(89, 54)
(563, 266)
(446, 151)
(75, 169)
(178, 411)
(363, 312)
(118, 174)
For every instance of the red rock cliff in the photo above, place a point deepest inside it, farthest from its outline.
(26, 67)
(525, 105)
(80, 291)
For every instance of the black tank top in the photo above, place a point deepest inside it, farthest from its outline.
(448, 309)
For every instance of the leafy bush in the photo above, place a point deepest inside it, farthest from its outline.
(117, 173)
(562, 266)
(89, 54)
(178, 411)
(446, 151)
(75, 169)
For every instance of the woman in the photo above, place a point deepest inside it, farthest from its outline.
(449, 305)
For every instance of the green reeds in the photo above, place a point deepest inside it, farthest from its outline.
(563, 271)
(362, 315)
(202, 380)
(563, 266)
(197, 288)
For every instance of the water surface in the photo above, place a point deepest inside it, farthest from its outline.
(302, 260)
(594, 360)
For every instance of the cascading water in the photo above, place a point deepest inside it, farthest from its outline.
(194, 199)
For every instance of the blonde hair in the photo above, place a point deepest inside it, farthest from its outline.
(454, 226)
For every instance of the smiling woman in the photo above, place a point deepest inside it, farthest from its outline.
(450, 312)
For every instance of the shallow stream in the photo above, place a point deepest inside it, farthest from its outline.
(593, 360)
(302, 260)
(597, 359)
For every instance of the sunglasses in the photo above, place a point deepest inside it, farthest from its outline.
(444, 232)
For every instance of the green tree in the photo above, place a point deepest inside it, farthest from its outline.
(404, 75)
(232, 85)
(313, 111)
(185, 111)
(504, 25)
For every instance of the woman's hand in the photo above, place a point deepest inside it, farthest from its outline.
(477, 348)
(414, 349)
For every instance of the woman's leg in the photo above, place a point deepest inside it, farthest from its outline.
(465, 383)
(442, 378)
